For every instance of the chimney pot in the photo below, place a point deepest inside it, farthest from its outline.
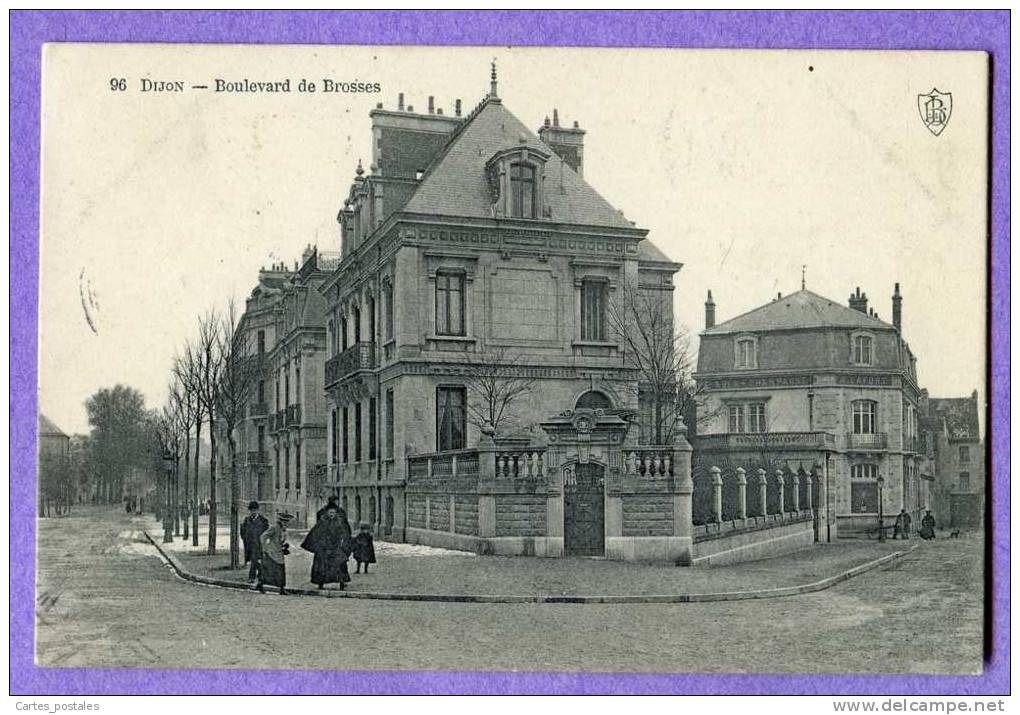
(432, 104)
(897, 308)
(576, 125)
(400, 102)
(556, 118)
(456, 107)
(709, 312)
(410, 108)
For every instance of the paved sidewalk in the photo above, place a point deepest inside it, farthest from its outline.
(411, 569)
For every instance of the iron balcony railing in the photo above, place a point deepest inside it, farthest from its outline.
(360, 356)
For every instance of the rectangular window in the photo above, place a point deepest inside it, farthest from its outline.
(736, 418)
(964, 484)
(864, 417)
(593, 310)
(522, 191)
(276, 385)
(372, 427)
(756, 417)
(262, 391)
(345, 435)
(334, 434)
(449, 304)
(297, 467)
(357, 431)
(297, 385)
(262, 443)
(262, 342)
(277, 470)
(286, 467)
(747, 353)
(451, 418)
(389, 424)
(286, 385)
(864, 488)
(964, 454)
(388, 308)
(862, 350)
(343, 333)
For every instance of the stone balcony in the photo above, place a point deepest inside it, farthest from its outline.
(875, 441)
(359, 356)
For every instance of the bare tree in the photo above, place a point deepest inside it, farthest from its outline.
(496, 382)
(188, 370)
(165, 428)
(239, 379)
(209, 366)
(660, 350)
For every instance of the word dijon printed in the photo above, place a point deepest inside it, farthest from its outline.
(252, 86)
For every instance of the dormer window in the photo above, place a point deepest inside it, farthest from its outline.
(862, 350)
(515, 180)
(746, 352)
(522, 190)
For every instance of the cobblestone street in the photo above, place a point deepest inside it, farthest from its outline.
(106, 600)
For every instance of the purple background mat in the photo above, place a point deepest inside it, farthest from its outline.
(963, 30)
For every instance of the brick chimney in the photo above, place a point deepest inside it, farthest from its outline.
(709, 312)
(568, 143)
(859, 301)
(897, 308)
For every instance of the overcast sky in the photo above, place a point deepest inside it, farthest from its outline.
(744, 166)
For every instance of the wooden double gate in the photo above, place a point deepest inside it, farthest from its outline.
(584, 510)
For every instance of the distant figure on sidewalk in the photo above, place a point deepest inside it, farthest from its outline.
(329, 541)
(901, 529)
(927, 531)
(273, 572)
(364, 547)
(252, 528)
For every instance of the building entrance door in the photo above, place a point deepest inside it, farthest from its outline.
(584, 510)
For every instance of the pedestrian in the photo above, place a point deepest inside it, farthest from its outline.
(329, 502)
(329, 541)
(927, 531)
(273, 571)
(364, 547)
(905, 526)
(252, 528)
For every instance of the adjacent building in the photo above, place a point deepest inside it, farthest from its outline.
(952, 432)
(804, 386)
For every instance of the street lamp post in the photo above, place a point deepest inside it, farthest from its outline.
(168, 519)
(881, 516)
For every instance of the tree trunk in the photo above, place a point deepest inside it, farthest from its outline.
(198, 451)
(168, 518)
(175, 500)
(235, 497)
(187, 475)
(212, 485)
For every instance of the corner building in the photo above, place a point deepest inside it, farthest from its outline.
(470, 235)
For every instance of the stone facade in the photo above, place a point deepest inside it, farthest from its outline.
(953, 437)
(805, 387)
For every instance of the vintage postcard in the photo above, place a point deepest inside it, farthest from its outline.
(531, 359)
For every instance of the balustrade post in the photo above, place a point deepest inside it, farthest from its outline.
(453, 466)
(763, 492)
(796, 491)
(428, 470)
(741, 493)
(781, 478)
(717, 493)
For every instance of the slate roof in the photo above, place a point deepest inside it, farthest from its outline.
(648, 251)
(455, 183)
(47, 427)
(802, 309)
(959, 414)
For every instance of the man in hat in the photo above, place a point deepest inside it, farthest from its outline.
(329, 541)
(274, 548)
(252, 528)
(902, 527)
(927, 530)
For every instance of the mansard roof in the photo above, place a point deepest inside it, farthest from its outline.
(799, 310)
(455, 183)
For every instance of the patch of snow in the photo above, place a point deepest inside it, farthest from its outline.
(395, 550)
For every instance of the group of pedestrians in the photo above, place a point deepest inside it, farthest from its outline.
(330, 541)
(901, 528)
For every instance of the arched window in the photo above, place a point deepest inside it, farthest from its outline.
(593, 400)
(522, 190)
(865, 416)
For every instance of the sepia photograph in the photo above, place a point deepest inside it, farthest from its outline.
(510, 359)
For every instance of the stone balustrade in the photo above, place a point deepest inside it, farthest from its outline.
(649, 462)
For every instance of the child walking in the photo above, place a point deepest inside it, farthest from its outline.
(364, 547)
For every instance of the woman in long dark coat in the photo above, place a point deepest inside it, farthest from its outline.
(329, 541)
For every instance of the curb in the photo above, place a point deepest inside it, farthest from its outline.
(483, 598)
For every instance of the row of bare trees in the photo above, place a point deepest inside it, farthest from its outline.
(212, 381)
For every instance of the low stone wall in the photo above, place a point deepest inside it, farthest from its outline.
(752, 539)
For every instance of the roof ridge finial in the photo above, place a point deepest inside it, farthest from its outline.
(360, 170)
(492, 85)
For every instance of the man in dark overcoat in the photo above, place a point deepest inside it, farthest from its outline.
(252, 528)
